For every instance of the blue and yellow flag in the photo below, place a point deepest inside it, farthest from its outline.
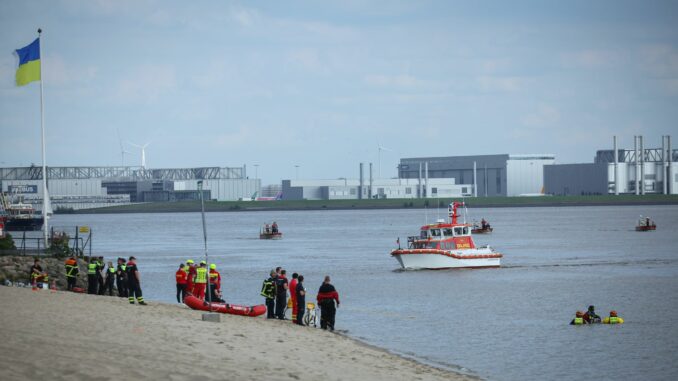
(29, 63)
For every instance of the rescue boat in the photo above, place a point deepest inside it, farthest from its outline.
(446, 245)
(224, 308)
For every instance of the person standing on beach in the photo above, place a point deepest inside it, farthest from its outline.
(71, 273)
(134, 282)
(327, 295)
(190, 269)
(182, 279)
(121, 277)
(281, 294)
(268, 292)
(200, 281)
(100, 275)
(293, 295)
(110, 278)
(92, 281)
(215, 284)
(301, 300)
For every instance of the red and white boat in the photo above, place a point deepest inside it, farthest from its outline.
(446, 245)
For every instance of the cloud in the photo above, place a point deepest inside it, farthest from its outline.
(400, 80)
(145, 84)
(500, 83)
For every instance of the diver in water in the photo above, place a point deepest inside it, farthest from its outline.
(590, 316)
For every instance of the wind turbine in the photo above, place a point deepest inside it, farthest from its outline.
(380, 148)
(122, 148)
(143, 153)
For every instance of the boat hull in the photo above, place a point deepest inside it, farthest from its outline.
(23, 224)
(646, 228)
(431, 259)
(270, 236)
(224, 308)
(481, 230)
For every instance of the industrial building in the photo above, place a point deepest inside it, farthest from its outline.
(368, 188)
(631, 171)
(88, 187)
(492, 175)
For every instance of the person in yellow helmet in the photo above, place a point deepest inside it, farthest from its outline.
(613, 319)
(200, 281)
(215, 284)
(578, 319)
(190, 270)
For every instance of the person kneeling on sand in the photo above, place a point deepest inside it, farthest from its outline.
(613, 319)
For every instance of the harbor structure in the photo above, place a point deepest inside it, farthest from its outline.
(637, 171)
(90, 187)
(489, 175)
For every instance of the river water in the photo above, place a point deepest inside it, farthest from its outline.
(501, 324)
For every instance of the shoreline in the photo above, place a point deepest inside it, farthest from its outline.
(306, 205)
(62, 335)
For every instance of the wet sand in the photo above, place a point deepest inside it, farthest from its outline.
(65, 336)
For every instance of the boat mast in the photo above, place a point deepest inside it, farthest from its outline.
(45, 228)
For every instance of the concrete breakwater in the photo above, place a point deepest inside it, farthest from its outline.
(17, 269)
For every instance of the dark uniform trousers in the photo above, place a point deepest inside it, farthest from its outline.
(270, 308)
(134, 290)
(327, 313)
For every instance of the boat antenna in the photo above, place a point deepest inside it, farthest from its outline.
(463, 203)
(204, 237)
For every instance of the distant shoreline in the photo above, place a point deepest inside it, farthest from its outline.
(303, 205)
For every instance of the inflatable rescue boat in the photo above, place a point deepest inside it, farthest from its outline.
(224, 308)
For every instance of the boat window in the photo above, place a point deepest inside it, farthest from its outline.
(458, 230)
(447, 232)
(465, 230)
(423, 234)
(435, 232)
(433, 245)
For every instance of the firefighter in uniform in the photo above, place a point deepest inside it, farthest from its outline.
(182, 278)
(134, 282)
(100, 274)
(268, 292)
(92, 281)
(293, 295)
(110, 278)
(200, 281)
(121, 277)
(327, 296)
(71, 273)
(215, 284)
(190, 269)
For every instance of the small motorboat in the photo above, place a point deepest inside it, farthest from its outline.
(224, 308)
(481, 230)
(645, 224)
(270, 232)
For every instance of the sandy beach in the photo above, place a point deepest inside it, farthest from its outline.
(66, 336)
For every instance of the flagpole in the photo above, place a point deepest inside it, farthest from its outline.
(45, 228)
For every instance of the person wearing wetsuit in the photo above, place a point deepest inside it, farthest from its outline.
(301, 300)
(281, 295)
(590, 316)
(134, 282)
(327, 295)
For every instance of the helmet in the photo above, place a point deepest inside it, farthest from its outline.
(190, 262)
(213, 266)
(613, 313)
(203, 262)
(579, 314)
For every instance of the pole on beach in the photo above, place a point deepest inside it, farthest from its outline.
(44, 165)
(204, 237)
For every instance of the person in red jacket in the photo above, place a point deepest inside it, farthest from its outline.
(182, 280)
(327, 295)
(215, 284)
(190, 270)
(293, 295)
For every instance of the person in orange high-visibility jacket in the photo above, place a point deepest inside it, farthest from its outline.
(182, 281)
(190, 270)
(293, 295)
(215, 284)
(200, 281)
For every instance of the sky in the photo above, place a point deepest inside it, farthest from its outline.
(311, 89)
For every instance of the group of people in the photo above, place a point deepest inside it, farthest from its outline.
(193, 279)
(590, 317)
(272, 228)
(124, 276)
(275, 289)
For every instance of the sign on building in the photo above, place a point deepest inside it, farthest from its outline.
(22, 189)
